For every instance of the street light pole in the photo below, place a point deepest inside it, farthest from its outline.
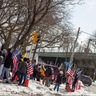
(71, 59)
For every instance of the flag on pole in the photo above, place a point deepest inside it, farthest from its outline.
(30, 69)
(24, 56)
(79, 74)
(14, 53)
(67, 63)
(14, 65)
(16, 58)
(43, 70)
(70, 79)
(77, 84)
(70, 70)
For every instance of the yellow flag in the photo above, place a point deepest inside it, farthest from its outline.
(24, 56)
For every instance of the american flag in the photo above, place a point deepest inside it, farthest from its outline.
(77, 84)
(15, 65)
(70, 79)
(70, 71)
(30, 69)
(16, 58)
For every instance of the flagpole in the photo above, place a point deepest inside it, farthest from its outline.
(71, 59)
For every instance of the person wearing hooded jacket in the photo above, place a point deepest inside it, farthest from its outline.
(7, 64)
(58, 81)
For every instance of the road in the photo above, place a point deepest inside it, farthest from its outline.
(92, 88)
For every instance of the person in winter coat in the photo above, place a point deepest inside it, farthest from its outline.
(74, 81)
(21, 72)
(58, 81)
(48, 73)
(35, 71)
(33, 64)
(38, 76)
(1, 59)
(7, 64)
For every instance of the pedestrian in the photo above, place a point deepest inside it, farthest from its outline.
(75, 79)
(21, 72)
(58, 80)
(7, 64)
(35, 71)
(1, 62)
(48, 73)
(33, 64)
(1, 58)
(30, 68)
(38, 76)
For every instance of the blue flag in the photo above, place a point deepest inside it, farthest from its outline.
(18, 57)
(18, 54)
(67, 63)
(15, 52)
(72, 67)
(79, 74)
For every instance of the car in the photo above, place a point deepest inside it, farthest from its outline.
(86, 80)
(55, 69)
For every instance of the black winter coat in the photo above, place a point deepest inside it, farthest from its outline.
(38, 76)
(8, 61)
(59, 78)
(48, 72)
(35, 70)
(76, 78)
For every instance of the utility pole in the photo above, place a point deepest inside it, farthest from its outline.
(71, 59)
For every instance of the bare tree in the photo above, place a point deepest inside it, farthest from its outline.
(18, 19)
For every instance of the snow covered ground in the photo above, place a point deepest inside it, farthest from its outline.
(94, 83)
(35, 88)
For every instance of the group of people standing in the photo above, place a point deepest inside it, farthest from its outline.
(46, 79)
(22, 73)
(6, 61)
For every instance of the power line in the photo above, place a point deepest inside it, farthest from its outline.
(88, 33)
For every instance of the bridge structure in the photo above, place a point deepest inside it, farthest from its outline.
(81, 55)
(61, 57)
(84, 61)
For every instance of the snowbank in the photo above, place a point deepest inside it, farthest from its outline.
(94, 83)
(35, 88)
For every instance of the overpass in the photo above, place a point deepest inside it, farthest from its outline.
(68, 55)
(82, 60)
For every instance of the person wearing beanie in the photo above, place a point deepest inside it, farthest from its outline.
(58, 80)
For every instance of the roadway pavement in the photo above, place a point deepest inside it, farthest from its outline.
(92, 88)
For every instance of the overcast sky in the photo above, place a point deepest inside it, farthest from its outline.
(84, 16)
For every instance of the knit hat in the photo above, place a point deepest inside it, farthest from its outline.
(61, 72)
(4, 51)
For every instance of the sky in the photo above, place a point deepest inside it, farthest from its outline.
(84, 16)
